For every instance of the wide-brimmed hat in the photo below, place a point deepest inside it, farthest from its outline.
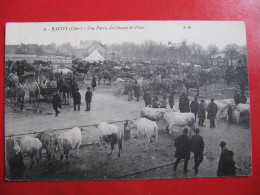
(222, 143)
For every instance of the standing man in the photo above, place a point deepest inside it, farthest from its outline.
(56, 103)
(93, 83)
(212, 112)
(182, 144)
(147, 98)
(226, 165)
(184, 103)
(137, 91)
(237, 98)
(164, 102)
(88, 97)
(202, 112)
(77, 99)
(243, 98)
(155, 103)
(197, 147)
(194, 106)
(171, 99)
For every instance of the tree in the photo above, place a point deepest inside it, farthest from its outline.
(231, 51)
(211, 50)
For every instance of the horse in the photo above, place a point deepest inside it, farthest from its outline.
(34, 91)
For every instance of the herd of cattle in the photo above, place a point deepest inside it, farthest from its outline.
(147, 127)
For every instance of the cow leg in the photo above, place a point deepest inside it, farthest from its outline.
(147, 147)
(101, 144)
(119, 147)
(112, 148)
(32, 161)
(78, 150)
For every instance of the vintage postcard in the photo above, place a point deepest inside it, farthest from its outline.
(126, 100)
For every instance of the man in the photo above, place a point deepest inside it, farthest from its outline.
(137, 91)
(147, 98)
(212, 112)
(194, 106)
(155, 103)
(77, 99)
(93, 83)
(226, 165)
(171, 100)
(56, 103)
(88, 97)
(197, 147)
(182, 144)
(237, 98)
(184, 103)
(243, 98)
(202, 113)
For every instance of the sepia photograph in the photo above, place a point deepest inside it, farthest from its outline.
(126, 100)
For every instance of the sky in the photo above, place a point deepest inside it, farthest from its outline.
(219, 33)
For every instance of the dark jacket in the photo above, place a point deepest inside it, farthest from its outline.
(171, 100)
(88, 96)
(202, 110)
(184, 104)
(194, 106)
(212, 111)
(137, 90)
(17, 167)
(56, 101)
(197, 144)
(148, 98)
(243, 99)
(93, 82)
(237, 98)
(182, 144)
(76, 97)
(226, 165)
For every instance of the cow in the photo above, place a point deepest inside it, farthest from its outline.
(31, 146)
(49, 143)
(241, 113)
(69, 140)
(34, 91)
(153, 114)
(178, 119)
(145, 128)
(110, 134)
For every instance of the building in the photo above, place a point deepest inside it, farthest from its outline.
(87, 47)
(179, 52)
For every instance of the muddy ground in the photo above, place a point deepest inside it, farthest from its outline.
(134, 163)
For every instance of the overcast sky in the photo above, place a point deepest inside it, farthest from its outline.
(220, 33)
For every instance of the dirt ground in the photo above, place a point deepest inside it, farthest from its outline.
(95, 164)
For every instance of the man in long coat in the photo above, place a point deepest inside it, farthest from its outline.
(237, 98)
(171, 100)
(194, 106)
(137, 91)
(147, 98)
(184, 104)
(77, 99)
(197, 147)
(226, 165)
(88, 97)
(212, 112)
(93, 83)
(202, 112)
(56, 103)
(183, 149)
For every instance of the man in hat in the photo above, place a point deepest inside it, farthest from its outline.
(194, 106)
(155, 103)
(237, 97)
(77, 99)
(171, 100)
(93, 83)
(226, 165)
(184, 103)
(164, 102)
(148, 98)
(56, 103)
(202, 112)
(243, 98)
(212, 112)
(182, 144)
(197, 147)
(88, 97)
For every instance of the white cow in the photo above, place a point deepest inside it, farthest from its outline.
(110, 134)
(178, 119)
(145, 128)
(69, 140)
(241, 113)
(31, 146)
(153, 114)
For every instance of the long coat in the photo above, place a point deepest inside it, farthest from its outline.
(137, 90)
(194, 106)
(197, 144)
(183, 147)
(202, 110)
(184, 104)
(76, 97)
(56, 101)
(212, 111)
(148, 98)
(226, 165)
(93, 82)
(88, 96)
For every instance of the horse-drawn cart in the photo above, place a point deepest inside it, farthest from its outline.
(48, 92)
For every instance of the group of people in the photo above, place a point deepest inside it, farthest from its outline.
(240, 98)
(133, 90)
(56, 100)
(154, 102)
(185, 145)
